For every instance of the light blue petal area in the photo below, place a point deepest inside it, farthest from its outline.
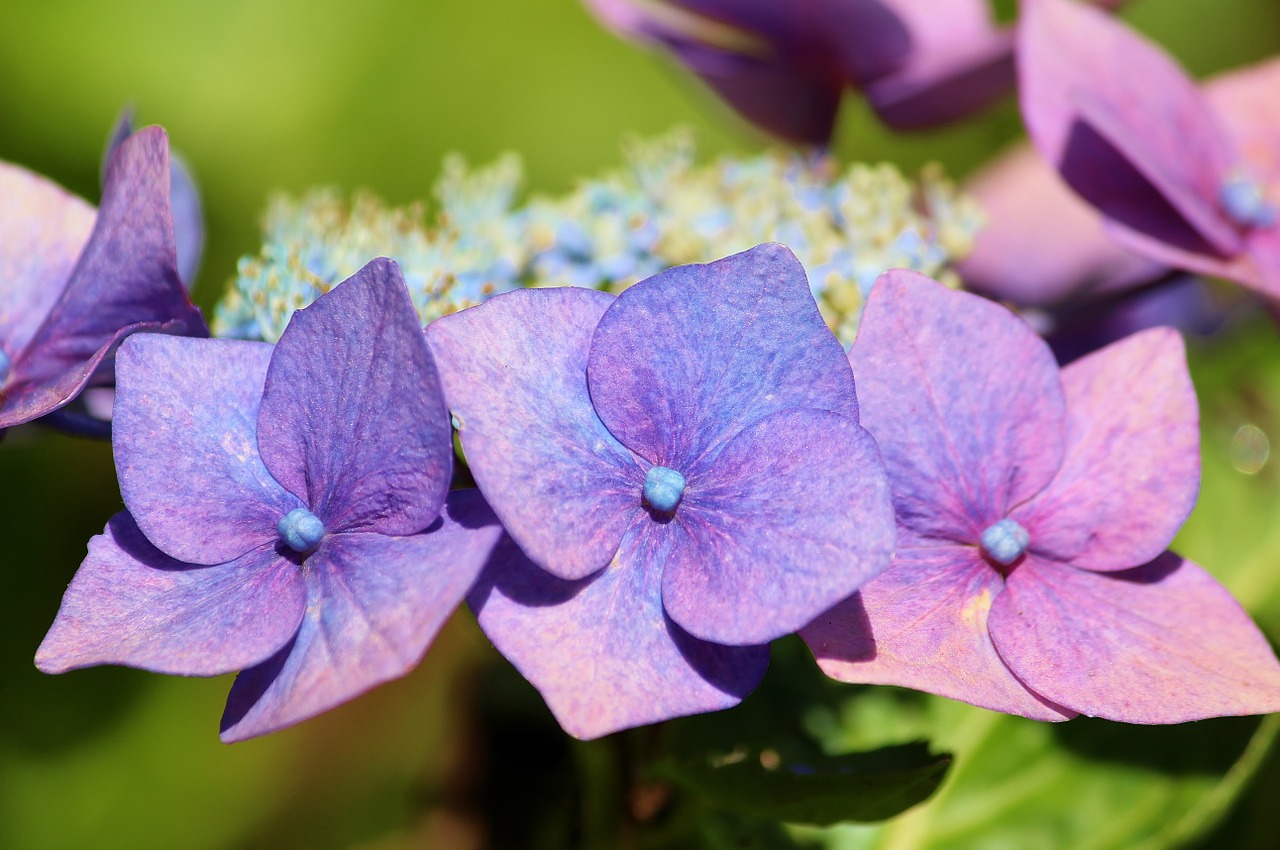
(514, 375)
(600, 650)
(352, 418)
(374, 604)
(42, 229)
(922, 624)
(793, 516)
(1132, 468)
(965, 402)
(186, 448)
(188, 219)
(131, 604)
(683, 361)
(125, 281)
(1161, 643)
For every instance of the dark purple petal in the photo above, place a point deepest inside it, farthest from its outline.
(352, 418)
(514, 371)
(126, 280)
(131, 604)
(683, 361)
(1161, 643)
(186, 447)
(1125, 126)
(964, 400)
(922, 624)
(600, 650)
(43, 227)
(374, 604)
(1132, 466)
(793, 516)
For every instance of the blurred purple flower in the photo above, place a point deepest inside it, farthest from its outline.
(284, 512)
(684, 466)
(72, 285)
(1034, 507)
(1185, 177)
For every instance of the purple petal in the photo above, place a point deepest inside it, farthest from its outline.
(601, 651)
(964, 400)
(1161, 643)
(186, 448)
(352, 418)
(43, 227)
(125, 281)
(1132, 466)
(131, 604)
(922, 624)
(375, 603)
(683, 361)
(514, 371)
(1041, 245)
(1126, 127)
(793, 516)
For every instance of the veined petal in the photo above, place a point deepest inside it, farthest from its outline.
(600, 650)
(922, 624)
(514, 371)
(131, 604)
(352, 418)
(793, 516)
(1132, 467)
(681, 362)
(184, 434)
(375, 602)
(964, 400)
(1161, 643)
(125, 280)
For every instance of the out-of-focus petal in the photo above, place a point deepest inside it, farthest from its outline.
(1132, 467)
(922, 624)
(1161, 643)
(43, 227)
(794, 516)
(964, 400)
(352, 417)
(601, 651)
(186, 448)
(683, 361)
(375, 603)
(1041, 245)
(514, 371)
(125, 280)
(131, 604)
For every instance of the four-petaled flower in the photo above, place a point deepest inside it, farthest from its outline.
(684, 468)
(284, 511)
(1034, 509)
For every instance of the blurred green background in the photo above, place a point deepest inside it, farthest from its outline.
(261, 96)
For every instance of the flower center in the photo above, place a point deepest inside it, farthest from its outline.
(300, 530)
(1245, 201)
(663, 488)
(1005, 541)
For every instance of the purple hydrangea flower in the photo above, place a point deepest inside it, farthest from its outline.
(683, 467)
(1187, 177)
(73, 285)
(286, 512)
(1034, 509)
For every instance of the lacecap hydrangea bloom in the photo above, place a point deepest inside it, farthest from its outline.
(1034, 508)
(682, 471)
(73, 284)
(286, 512)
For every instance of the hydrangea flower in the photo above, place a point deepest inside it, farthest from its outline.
(73, 285)
(1186, 177)
(1034, 508)
(683, 467)
(286, 512)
